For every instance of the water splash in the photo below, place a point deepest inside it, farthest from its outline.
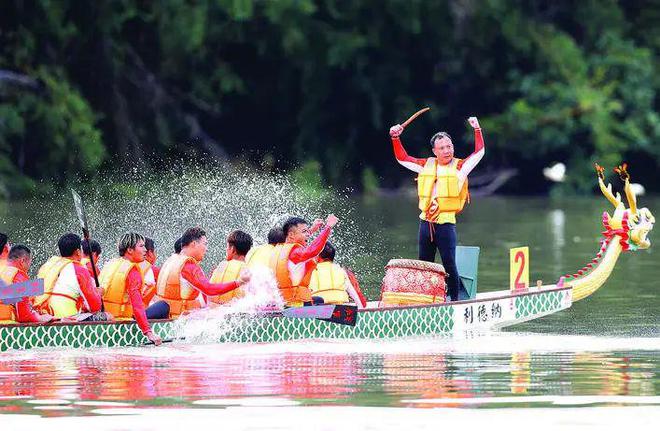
(210, 324)
(219, 198)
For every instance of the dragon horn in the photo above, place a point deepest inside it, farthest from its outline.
(632, 199)
(600, 171)
(622, 170)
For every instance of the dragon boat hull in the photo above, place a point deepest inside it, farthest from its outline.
(491, 310)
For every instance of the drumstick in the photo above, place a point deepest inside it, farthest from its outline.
(415, 115)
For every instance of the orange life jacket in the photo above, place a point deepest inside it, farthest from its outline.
(444, 179)
(181, 297)
(279, 262)
(7, 312)
(115, 292)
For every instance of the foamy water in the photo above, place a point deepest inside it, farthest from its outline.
(209, 324)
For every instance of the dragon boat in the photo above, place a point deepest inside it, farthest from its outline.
(625, 230)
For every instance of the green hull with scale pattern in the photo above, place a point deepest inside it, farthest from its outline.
(488, 311)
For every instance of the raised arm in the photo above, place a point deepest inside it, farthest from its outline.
(412, 163)
(302, 254)
(473, 159)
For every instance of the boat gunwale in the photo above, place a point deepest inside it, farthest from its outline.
(510, 294)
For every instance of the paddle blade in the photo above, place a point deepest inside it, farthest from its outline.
(343, 315)
(80, 211)
(314, 312)
(17, 291)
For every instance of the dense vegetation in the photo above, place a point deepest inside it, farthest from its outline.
(98, 86)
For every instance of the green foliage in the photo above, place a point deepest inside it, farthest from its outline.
(53, 134)
(581, 104)
(323, 80)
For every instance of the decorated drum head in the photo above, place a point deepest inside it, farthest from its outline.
(410, 282)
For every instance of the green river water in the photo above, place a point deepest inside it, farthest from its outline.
(595, 365)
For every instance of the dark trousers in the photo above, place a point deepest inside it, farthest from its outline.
(316, 300)
(158, 310)
(443, 238)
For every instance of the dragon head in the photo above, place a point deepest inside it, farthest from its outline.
(641, 228)
(637, 222)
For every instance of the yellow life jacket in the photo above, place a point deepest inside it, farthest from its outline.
(3, 264)
(225, 272)
(7, 312)
(279, 263)
(180, 297)
(447, 194)
(50, 272)
(64, 300)
(327, 281)
(115, 292)
(259, 255)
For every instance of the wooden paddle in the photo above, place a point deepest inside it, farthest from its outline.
(341, 314)
(166, 340)
(82, 218)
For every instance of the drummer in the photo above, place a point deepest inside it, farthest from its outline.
(442, 187)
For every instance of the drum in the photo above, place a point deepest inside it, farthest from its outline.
(413, 282)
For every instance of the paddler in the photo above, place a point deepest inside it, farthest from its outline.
(239, 244)
(151, 256)
(4, 249)
(442, 188)
(177, 246)
(293, 262)
(16, 270)
(69, 289)
(91, 248)
(260, 255)
(332, 282)
(122, 282)
(181, 279)
(149, 271)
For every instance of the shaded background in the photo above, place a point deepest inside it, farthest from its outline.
(96, 88)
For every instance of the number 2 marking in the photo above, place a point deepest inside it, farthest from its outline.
(518, 283)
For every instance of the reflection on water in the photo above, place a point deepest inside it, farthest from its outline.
(421, 373)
